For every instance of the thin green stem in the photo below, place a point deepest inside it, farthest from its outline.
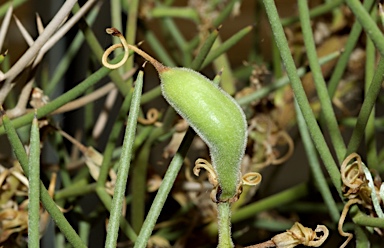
(160, 51)
(139, 173)
(224, 13)
(130, 31)
(366, 108)
(34, 187)
(125, 161)
(370, 65)
(321, 88)
(176, 12)
(179, 39)
(317, 11)
(342, 63)
(204, 50)
(116, 18)
(300, 95)
(139, 176)
(365, 220)
(224, 223)
(165, 188)
(113, 136)
(368, 24)
(283, 198)
(315, 166)
(106, 199)
(98, 51)
(62, 99)
(46, 199)
(79, 188)
(362, 240)
(71, 52)
(221, 63)
(226, 45)
(265, 91)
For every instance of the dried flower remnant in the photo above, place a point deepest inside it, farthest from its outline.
(257, 80)
(251, 178)
(93, 160)
(297, 235)
(359, 188)
(268, 138)
(14, 210)
(38, 99)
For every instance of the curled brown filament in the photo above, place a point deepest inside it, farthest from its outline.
(151, 117)
(352, 174)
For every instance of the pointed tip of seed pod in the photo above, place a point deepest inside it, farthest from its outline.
(160, 67)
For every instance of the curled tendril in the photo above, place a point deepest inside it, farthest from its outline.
(151, 117)
(352, 174)
(202, 163)
(126, 46)
(251, 178)
(104, 59)
(269, 136)
(288, 140)
(341, 221)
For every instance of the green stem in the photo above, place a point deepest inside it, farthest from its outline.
(113, 136)
(71, 52)
(365, 220)
(362, 240)
(221, 48)
(34, 187)
(79, 188)
(321, 88)
(366, 108)
(300, 95)
(224, 223)
(370, 65)
(139, 173)
(130, 31)
(106, 199)
(274, 201)
(342, 63)
(97, 50)
(125, 161)
(46, 199)
(266, 90)
(315, 166)
(317, 11)
(368, 24)
(165, 188)
(62, 99)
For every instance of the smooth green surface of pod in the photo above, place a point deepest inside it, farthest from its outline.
(216, 118)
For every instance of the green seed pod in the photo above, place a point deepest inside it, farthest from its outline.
(216, 118)
(211, 112)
